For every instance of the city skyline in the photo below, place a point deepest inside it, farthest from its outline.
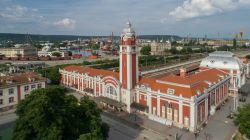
(195, 18)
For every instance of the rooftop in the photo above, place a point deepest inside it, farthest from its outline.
(91, 71)
(222, 60)
(186, 86)
(20, 78)
(222, 54)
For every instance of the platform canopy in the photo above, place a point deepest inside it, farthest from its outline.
(139, 106)
(109, 101)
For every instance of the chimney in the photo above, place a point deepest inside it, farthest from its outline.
(183, 72)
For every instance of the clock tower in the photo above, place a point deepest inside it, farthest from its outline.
(129, 74)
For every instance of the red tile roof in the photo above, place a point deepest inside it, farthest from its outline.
(185, 86)
(91, 71)
(20, 78)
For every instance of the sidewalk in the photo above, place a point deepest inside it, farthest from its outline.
(156, 127)
(219, 127)
(7, 112)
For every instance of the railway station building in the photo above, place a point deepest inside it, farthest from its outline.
(184, 101)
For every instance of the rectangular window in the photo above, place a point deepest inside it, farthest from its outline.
(140, 97)
(170, 91)
(26, 88)
(154, 110)
(186, 121)
(163, 111)
(11, 91)
(175, 115)
(1, 92)
(201, 114)
(169, 109)
(39, 85)
(1, 101)
(33, 86)
(11, 99)
(145, 97)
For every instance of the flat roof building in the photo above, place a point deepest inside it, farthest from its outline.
(19, 52)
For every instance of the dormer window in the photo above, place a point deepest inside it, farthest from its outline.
(170, 91)
(31, 79)
(198, 92)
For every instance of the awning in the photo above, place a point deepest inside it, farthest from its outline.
(109, 101)
(139, 106)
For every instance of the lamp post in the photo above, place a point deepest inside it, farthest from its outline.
(235, 96)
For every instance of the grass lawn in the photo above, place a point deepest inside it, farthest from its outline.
(6, 131)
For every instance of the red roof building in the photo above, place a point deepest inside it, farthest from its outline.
(15, 87)
(185, 101)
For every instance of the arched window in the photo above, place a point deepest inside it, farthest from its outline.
(111, 90)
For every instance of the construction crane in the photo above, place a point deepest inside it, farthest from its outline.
(28, 40)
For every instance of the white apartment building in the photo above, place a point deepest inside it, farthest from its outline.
(16, 87)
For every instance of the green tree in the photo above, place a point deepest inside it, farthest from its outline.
(189, 50)
(57, 54)
(54, 75)
(242, 119)
(146, 50)
(50, 114)
(174, 43)
(234, 42)
(173, 50)
(38, 46)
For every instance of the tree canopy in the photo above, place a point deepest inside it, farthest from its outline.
(242, 119)
(146, 50)
(57, 54)
(50, 114)
(51, 73)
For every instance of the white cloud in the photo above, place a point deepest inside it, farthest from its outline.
(200, 8)
(66, 23)
(19, 13)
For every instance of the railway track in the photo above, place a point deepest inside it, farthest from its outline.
(173, 70)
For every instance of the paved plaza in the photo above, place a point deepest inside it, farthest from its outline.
(124, 126)
(219, 127)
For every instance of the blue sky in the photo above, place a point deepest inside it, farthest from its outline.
(101, 17)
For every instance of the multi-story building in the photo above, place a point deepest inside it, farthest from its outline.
(183, 101)
(49, 51)
(159, 48)
(16, 87)
(19, 52)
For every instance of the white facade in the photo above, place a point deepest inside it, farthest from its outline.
(11, 93)
(229, 63)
